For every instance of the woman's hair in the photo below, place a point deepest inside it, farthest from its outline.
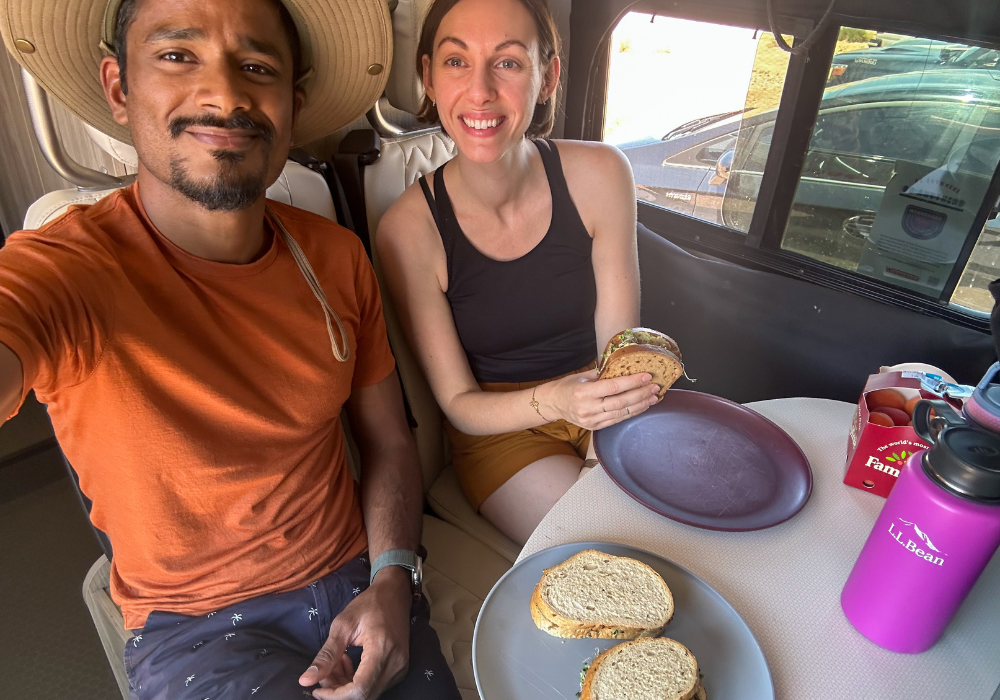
(549, 45)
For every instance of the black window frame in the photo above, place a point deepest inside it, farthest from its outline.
(593, 21)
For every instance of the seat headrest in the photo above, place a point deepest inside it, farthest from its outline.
(405, 89)
(121, 152)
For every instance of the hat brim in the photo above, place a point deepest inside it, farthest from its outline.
(347, 46)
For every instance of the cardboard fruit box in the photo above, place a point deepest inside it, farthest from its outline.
(876, 452)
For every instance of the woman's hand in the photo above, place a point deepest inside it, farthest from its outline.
(584, 400)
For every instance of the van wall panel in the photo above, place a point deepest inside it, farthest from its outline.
(749, 335)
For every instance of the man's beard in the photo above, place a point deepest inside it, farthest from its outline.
(230, 190)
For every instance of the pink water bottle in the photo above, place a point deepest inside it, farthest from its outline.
(936, 533)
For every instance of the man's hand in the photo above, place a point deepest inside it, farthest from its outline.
(377, 620)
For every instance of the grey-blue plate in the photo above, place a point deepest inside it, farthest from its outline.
(514, 660)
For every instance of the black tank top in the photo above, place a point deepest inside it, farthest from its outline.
(532, 317)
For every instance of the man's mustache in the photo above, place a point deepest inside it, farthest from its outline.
(243, 122)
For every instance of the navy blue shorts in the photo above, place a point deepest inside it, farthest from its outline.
(261, 646)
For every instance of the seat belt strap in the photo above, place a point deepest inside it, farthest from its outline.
(359, 148)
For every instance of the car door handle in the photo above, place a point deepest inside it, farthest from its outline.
(859, 226)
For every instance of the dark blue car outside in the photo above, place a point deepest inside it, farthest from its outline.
(712, 168)
(902, 57)
(684, 171)
(870, 63)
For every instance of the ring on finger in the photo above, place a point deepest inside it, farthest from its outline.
(627, 412)
(602, 404)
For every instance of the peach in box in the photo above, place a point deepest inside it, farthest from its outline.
(876, 452)
(885, 398)
(879, 418)
(899, 416)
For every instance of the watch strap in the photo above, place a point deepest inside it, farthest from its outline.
(398, 557)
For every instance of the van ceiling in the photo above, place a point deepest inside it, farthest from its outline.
(954, 19)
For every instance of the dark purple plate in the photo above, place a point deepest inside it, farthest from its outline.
(708, 462)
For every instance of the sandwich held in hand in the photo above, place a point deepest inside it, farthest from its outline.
(646, 669)
(594, 594)
(636, 350)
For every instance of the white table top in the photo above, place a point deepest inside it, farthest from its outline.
(786, 581)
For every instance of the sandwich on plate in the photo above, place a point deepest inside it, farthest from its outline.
(597, 595)
(644, 669)
(636, 350)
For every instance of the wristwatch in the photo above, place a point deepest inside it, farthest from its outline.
(404, 558)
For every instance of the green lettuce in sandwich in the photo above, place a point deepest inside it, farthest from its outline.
(637, 350)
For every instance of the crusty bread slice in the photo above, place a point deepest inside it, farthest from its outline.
(646, 669)
(664, 365)
(699, 693)
(594, 594)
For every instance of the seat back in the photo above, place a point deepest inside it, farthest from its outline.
(401, 162)
(404, 159)
(297, 185)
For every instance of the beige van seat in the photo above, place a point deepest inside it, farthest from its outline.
(297, 185)
(460, 570)
(402, 161)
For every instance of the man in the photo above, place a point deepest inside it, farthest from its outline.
(195, 345)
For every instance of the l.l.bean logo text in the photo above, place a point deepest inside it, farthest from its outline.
(900, 530)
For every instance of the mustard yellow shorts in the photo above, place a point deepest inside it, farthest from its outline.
(484, 463)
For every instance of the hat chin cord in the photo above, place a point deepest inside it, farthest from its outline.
(52, 149)
(341, 354)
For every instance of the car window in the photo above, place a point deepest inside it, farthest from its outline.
(921, 132)
(680, 138)
(897, 169)
(857, 142)
(984, 264)
(740, 198)
(978, 58)
(759, 147)
(987, 60)
(754, 144)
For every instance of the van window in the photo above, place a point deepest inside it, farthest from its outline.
(899, 163)
(681, 138)
(898, 166)
(983, 267)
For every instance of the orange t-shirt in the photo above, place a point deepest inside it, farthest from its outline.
(198, 401)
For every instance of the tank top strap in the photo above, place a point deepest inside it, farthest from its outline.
(564, 211)
(431, 204)
(442, 211)
(554, 172)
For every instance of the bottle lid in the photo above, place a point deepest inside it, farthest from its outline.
(966, 461)
(984, 405)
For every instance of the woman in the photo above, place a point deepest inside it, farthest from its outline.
(513, 263)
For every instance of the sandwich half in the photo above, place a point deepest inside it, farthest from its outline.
(597, 595)
(637, 350)
(644, 669)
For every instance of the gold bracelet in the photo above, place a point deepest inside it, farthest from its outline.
(534, 405)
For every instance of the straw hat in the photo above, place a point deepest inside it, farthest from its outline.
(346, 48)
